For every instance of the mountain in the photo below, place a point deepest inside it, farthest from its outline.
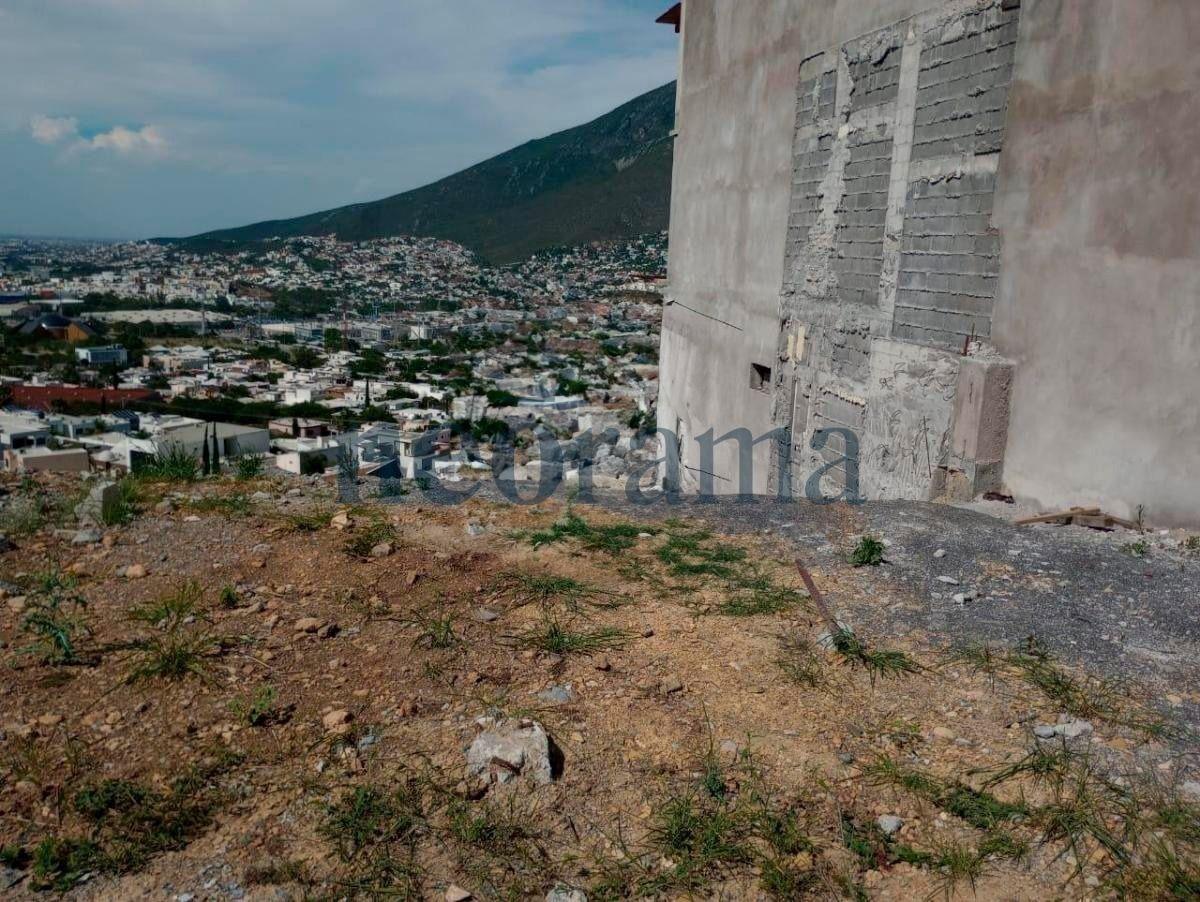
(608, 179)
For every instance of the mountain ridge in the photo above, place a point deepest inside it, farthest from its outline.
(604, 180)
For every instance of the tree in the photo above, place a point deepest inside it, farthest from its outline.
(333, 340)
(295, 427)
(205, 460)
(216, 452)
(498, 398)
(306, 358)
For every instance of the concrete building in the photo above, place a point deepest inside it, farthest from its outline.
(947, 247)
(105, 356)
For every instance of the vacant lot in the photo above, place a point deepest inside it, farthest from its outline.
(244, 690)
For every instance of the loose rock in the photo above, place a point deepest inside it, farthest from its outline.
(509, 750)
(890, 824)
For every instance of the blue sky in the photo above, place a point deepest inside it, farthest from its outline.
(138, 118)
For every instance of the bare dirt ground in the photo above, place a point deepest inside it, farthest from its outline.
(272, 699)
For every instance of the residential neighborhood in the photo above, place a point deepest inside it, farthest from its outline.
(408, 357)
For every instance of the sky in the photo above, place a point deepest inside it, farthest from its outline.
(147, 118)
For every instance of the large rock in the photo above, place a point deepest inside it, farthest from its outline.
(99, 506)
(512, 749)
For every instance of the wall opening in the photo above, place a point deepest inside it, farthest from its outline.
(760, 377)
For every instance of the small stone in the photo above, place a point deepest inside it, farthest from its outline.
(50, 720)
(341, 520)
(672, 685)
(948, 580)
(890, 824)
(483, 615)
(87, 537)
(383, 549)
(474, 529)
(17, 605)
(455, 893)
(309, 624)
(1191, 788)
(603, 664)
(566, 894)
(557, 695)
(410, 578)
(164, 507)
(1045, 731)
(1074, 729)
(940, 553)
(136, 571)
(944, 733)
(336, 721)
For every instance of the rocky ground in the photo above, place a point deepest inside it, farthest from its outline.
(227, 690)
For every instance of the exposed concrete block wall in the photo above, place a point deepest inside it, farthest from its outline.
(1099, 297)
(951, 261)
(890, 238)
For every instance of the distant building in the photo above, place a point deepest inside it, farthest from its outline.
(46, 397)
(105, 356)
(59, 328)
(298, 427)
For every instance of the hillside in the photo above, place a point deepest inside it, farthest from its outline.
(608, 179)
(249, 690)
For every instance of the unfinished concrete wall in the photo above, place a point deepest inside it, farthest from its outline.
(921, 217)
(1099, 297)
(890, 241)
(729, 210)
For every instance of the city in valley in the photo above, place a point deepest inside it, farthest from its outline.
(307, 352)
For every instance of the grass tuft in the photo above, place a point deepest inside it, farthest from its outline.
(179, 647)
(868, 552)
(557, 638)
(611, 539)
(879, 663)
(54, 618)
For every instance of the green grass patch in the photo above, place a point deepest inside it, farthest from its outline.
(611, 539)
(878, 663)
(129, 825)
(980, 809)
(868, 552)
(181, 643)
(555, 637)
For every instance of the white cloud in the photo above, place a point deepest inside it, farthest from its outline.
(51, 130)
(146, 141)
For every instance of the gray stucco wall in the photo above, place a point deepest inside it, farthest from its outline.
(1099, 298)
(729, 210)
